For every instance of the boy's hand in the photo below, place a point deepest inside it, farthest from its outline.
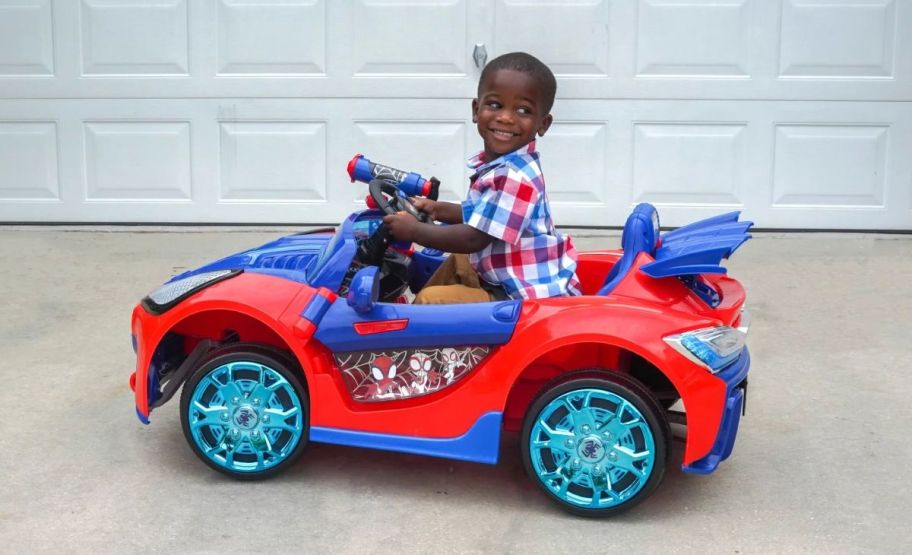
(401, 225)
(427, 206)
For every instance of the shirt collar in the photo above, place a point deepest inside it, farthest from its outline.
(479, 164)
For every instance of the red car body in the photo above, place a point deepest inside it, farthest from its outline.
(289, 343)
(552, 336)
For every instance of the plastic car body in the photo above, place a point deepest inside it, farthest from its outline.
(447, 380)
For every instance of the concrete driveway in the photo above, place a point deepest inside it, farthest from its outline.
(821, 465)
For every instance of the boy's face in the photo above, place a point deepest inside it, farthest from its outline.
(509, 112)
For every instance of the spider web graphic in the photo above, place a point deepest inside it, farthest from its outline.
(438, 368)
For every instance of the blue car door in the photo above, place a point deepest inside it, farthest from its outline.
(397, 351)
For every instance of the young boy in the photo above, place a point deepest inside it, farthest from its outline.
(504, 225)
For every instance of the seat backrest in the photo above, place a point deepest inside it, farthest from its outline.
(639, 235)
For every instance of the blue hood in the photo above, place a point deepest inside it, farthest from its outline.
(289, 257)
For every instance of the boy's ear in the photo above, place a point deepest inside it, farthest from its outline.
(545, 124)
(475, 110)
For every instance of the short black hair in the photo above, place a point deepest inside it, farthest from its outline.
(530, 65)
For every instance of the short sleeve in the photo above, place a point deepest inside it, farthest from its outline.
(504, 207)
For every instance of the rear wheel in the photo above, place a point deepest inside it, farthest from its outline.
(597, 446)
(244, 412)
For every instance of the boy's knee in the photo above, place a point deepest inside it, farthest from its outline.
(424, 296)
(435, 294)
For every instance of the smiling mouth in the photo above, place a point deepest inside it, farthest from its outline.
(502, 134)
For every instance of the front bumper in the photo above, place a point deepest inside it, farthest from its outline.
(735, 377)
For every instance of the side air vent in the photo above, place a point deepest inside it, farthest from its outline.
(285, 261)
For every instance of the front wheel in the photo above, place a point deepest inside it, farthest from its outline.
(244, 412)
(598, 446)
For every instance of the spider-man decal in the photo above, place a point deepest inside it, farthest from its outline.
(452, 360)
(390, 375)
(420, 364)
(386, 386)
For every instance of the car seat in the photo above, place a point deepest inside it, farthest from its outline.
(640, 233)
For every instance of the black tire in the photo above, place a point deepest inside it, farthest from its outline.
(269, 361)
(588, 459)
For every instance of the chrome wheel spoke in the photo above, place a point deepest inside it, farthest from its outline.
(580, 417)
(564, 487)
(560, 446)
(585, 419)
(280, 426)
(558, 472)
(278, 419)
(553, 432)
(229, 453)
(553, 474)
(618, 428)
(626, 460)
(231, 391)
(597, 488)
(262, 394)
(557, 440)
(262, 446)
(612, 494)
(572, 411)
(212, 416)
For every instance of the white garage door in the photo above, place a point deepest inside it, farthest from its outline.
(798, 112)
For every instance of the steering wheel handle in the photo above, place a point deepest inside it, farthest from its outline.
(397, 201)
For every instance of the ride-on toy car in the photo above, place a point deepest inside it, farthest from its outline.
(309, 339)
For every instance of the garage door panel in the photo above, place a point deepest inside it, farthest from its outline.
(582, 51)
(832, 166)
(272, 161)
(696, 163)
(850, 40)
(26, 39)
(28, 161)
(136, 160)
(134, 37)
(826, 165)
(840, 165)
(269, 38)
(666, 45)
(384, 43)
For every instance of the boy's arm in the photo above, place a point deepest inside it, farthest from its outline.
(449, 212)
(459, 237)
(445, 212)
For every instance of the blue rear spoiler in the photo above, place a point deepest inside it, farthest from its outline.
(699, 248)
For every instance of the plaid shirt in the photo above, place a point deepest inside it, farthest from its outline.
(507, 200)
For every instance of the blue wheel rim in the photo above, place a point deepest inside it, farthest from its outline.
(592, 448)
(245, 417)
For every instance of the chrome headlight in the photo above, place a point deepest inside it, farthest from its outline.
(173, 292)
(714, 348)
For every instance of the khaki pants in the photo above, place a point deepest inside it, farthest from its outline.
(454, 282)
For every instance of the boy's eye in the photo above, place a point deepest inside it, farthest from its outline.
(494, 105)
(524, 110)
